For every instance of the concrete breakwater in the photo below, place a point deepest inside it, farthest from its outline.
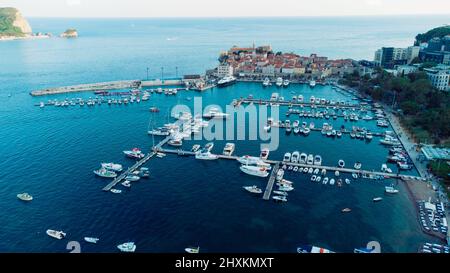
(114, 85)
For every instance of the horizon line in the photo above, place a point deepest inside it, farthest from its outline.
(244, 17)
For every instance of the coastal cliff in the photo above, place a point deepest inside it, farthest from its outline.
(13, 24)
(70, 33)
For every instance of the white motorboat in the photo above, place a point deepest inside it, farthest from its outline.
(105, 173)
(254, 170)
(264, 153)
(280, 174)
(318, 178)
(195, 148)
(126, 183)
(134, 153)
(56, 234)
(266, 82)
(295, 169)
(132, 178)
(203, 155)
(347, 181)
(283, 193)
(323, 172)
(112, 167)
(377, 199)
(341, 163)
(91, 240)
(286, 83)
(312, 83)
(287, 157)
(332, 181)
(325, 180)
(313, 178)
(252, 160)
(225, 81)
(192, 249)
(214, 113)
(336, 173)
(253, 189)
(228, 149)
(295, 157)
(285, 188)
(160, 155)
(279, 82)
(127, 247)
(390, 189)
(310, 170)
(115, 191)
(303, 158)
(176, 142)
(316, 171)
(357, 165)
(355, 175)
(280, 198)
(310, 159)
(25, 197)
(317, 160)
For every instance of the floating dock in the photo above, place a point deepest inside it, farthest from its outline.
(271, 181)
(303, 104)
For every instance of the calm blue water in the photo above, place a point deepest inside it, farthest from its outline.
(51, 152)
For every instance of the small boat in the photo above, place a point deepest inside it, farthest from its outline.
(192, 249)
(303, 158)
(286, 83)
(341, 163)
(332, 181)
(347, 181)
(305, 170)
(295, 157)
(316, 171)
(280, 198)
(105, 173)
(310, 159)
(390, 189)
(264, 153)
(377, 199)
(115, 191)
(357, 165)
(175, 142)
(355, 175)
(323, 172)
(160, 155)
(317, 160)
(112, 167)
(313, 178)
(134, 153)
(25, 197)
(325, 181)
(280, 174)
(346, 210)
(253, 189)
(127, 247)
(310, 170)
(205, 155)
(56, 234)
(195, 148)
(228, 149)
(254, 170)
(336, 173)
(279, 82)
(318, 178)
(126, 183)
(295, 169)
(285, 188)
(154, 109)
(132, 178)
(91, 240)
(266, 82)
(287, 157)
(312, 83)
(283, 193)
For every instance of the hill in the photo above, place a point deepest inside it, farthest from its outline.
(435, 32)
(13, 24)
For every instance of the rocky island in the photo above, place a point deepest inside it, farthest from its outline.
(70, 33)
(13, 25)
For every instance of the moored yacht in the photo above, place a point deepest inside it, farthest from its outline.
(134, 153)
(105, 173)
(254, 170)
(253, 189)
(303, 158)
(266, 82)
(286, 83)
(279, 82)
(312, 83)
(287, 157)
(264, 153)
(228, 149)
(310, 159)
(112, 167)
(205, 155)
(317, 160)
(225, 81)
(390, 189)
(295, 157)
(341, 163)
(214, 113)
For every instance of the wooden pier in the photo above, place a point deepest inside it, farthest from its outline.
(271, 181)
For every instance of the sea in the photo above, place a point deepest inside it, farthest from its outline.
(51, 152)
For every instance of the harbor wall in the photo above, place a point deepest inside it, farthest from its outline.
(113, 85)
(158, 82)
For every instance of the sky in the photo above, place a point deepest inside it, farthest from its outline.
(224, 8)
